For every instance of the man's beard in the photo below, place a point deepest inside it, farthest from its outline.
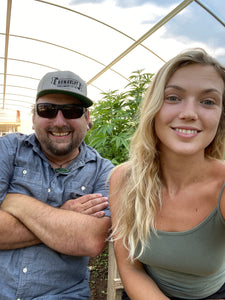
(60, 149)
(51, 147)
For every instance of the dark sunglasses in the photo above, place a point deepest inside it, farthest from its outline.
(49, 110)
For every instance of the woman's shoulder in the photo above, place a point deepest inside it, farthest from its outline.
(116, 184)
(118, 178)
(219, 170)
(121, 170)
(219, 175)
(216, 169)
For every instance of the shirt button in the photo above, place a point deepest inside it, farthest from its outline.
(25, 270)
(49, 190)
(83, 188)
(24, 172)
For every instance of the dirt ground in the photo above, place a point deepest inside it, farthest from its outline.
(99, 276)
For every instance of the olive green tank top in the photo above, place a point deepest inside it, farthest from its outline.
(188, 264)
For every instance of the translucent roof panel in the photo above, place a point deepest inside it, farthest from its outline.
(102, 41)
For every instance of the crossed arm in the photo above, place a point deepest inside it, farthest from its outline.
(77, 228)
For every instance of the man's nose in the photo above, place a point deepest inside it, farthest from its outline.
(59, 118)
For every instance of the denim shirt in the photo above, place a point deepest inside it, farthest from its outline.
(38, 272)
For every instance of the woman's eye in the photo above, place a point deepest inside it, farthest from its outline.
(208, 102)
(172, 98)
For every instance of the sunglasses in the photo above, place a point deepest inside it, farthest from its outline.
(69, 111)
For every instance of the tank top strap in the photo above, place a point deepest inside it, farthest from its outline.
(220, 195)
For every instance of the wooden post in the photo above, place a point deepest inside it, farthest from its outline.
(115, 286)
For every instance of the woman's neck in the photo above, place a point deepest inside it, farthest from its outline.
(179, 171)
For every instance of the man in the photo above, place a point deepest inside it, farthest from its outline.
(54, 207)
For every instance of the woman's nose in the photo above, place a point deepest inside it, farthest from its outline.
(189, 110)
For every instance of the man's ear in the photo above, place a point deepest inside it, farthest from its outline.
(87, 117)
(33, 118)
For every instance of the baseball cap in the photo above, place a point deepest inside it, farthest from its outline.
(64, 82)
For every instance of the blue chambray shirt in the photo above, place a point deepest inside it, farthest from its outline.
(39, 272)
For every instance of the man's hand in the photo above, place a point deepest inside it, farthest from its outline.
(91, 204)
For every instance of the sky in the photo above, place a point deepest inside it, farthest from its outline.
(193, 25)
(89, 46)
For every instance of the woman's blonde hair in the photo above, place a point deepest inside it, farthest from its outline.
(140, 188)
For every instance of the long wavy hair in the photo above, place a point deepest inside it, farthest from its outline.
(140, 187)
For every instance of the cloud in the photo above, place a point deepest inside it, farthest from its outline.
(132, 3)
(74, 2)
(196, 25)
(127, 3)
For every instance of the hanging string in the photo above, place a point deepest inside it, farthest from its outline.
(60, 168)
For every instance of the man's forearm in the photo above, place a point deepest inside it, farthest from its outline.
(13, 234)
(65, 231)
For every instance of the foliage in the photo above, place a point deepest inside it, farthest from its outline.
(115, 118)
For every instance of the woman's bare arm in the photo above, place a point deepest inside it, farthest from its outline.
(138, 284)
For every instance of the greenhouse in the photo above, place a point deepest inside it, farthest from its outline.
(103, 41)
(116, 47)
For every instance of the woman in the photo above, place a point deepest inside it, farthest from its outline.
(168, 200)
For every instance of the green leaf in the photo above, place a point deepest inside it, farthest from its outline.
(115, 118)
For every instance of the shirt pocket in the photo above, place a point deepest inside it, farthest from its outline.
(26, 181)
(77, 189)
